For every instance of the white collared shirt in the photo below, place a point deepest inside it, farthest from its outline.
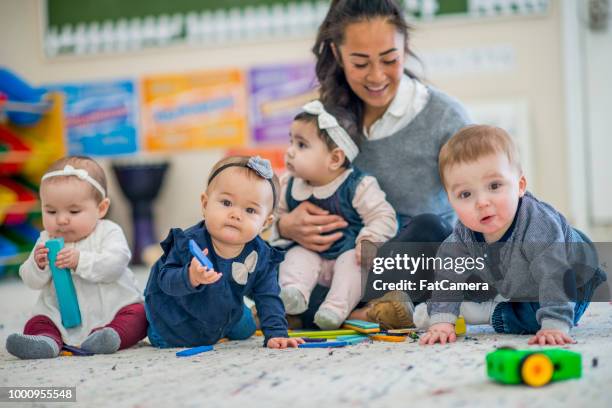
(411, 98)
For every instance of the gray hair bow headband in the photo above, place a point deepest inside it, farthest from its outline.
(261, 166)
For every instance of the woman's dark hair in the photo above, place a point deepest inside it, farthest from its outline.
(335, 90)
(346, 119)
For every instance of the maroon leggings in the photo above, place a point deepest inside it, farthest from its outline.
(130, 323)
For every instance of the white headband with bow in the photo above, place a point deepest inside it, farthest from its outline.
(329, 123)
(80, 173)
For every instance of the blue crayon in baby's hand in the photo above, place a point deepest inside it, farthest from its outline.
(199, 255)
(64, 287)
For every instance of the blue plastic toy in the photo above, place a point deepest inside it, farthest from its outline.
(30, 101)
(193, 351)
(326, 344)
(197, 252)
(64, 287)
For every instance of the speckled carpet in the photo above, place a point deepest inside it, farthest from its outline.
(366, 375)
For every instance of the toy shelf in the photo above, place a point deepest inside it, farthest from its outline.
(25, 153)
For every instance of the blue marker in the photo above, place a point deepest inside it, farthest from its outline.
(194, 351)
(197, 252)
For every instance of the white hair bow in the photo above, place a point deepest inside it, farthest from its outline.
(82, 174)
(329, 123)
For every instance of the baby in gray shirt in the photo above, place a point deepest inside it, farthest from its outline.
(523, 249)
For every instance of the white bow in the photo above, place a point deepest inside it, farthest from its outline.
(330, 124)
(71, 171)
(82, 174)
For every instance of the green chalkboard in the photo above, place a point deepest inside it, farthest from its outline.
(63, 12)
(94, 26)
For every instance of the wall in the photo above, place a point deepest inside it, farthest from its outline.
(537, 79)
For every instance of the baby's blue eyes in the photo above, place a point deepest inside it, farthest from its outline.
(251, 211)
(495, 185)
(464, 194)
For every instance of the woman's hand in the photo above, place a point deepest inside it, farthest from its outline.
(306, 225)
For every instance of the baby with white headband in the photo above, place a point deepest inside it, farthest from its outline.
(320, 172)
(74, 202)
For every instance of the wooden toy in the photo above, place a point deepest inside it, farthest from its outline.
(362, 326)
(533, 367)
(193, 351)
(199, 255)
(64, 287)
(400, 332)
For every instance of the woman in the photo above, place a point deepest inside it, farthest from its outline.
(360, 49)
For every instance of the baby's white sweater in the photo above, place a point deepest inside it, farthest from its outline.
(103, 282)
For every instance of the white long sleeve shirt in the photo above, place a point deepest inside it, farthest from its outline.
(103, 282)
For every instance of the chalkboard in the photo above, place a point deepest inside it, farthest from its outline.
(95, 26)
(62, 12)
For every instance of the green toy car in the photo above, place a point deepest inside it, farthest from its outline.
(533, 367)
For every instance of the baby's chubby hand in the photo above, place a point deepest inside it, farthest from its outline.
(439, 332)
(67, 258)
(283, 342)
(201, 275)
(550, 337)
(41, 256)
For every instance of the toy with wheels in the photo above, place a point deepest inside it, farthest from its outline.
(533, 367)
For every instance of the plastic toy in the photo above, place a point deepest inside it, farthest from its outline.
(323, 333)
(64, 287)
(460, 327)
(311, 340)
(533, 367)
(24, 104)
(361, 326)
(353, 339)
(199, 255)
(327, 344)
(193, 351)
(384, 337)
(74, 351)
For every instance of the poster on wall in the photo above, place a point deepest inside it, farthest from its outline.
(276, 95)
(206, 109)
(100, 117)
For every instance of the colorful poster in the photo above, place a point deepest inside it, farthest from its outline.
(194, 110)
(100, 117)
(277, 94)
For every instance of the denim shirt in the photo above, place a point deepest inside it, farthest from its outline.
(188, 316)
